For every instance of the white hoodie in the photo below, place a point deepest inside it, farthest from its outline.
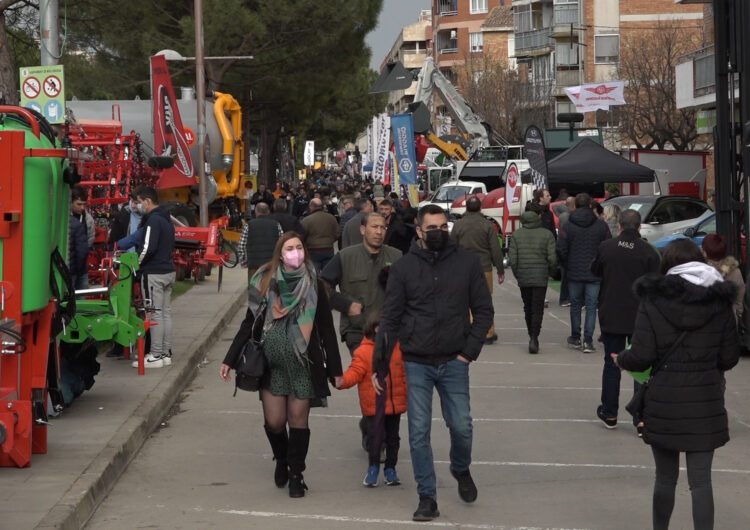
(697, 273)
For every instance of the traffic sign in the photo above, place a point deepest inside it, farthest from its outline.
(52, 86)
(31, 87)
(42, 89)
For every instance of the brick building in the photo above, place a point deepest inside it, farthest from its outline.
(569, 42)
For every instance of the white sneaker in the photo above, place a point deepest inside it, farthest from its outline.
(149, 362)
(167, 358)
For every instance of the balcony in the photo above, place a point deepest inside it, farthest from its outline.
(695, 79)
(537, 40)
(566, 14)
(413, 58)
(447, 8)
(565, 78)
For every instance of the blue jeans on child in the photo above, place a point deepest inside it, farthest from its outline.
(451, 379)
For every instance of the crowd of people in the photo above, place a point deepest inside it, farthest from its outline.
(415, 305)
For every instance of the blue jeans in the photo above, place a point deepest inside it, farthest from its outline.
(611, 375)
(451, 380)
(581, 292)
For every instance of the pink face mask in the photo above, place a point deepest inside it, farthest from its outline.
(294, 258)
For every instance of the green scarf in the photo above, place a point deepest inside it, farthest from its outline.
(291, 294)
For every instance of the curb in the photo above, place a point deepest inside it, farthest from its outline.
(78, 504)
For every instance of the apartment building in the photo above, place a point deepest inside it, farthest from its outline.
(457, 30)
(566, 43)
(411, 47)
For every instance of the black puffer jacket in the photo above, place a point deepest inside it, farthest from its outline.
(685, 401)
(578, 242)
(427, 302)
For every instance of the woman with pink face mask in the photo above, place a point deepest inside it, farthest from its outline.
(301, 347)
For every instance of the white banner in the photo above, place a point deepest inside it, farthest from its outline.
(309, 156)
(381, 147)
(595, 96)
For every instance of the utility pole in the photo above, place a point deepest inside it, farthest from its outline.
(50, 51)
(200, 89)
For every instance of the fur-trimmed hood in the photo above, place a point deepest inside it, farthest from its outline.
(726, 266)
(685, 305)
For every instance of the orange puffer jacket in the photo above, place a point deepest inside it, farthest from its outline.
(360, 373)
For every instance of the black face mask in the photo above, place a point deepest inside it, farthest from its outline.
(435, 240)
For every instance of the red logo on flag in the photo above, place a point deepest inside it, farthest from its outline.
(601, 89)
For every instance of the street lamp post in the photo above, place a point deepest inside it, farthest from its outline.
(200, 89)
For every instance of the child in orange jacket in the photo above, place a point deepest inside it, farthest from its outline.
(360, 373)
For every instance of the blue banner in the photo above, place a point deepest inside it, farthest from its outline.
(403, 137)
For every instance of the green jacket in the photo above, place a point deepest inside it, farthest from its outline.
(476, 233)
(532, 252)
(360, 277)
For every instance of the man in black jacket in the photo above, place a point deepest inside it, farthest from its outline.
(262, 195)
(258, 240)
(157, 274)
(619, 263)
(287, 221)
(577, 245)
(429, 294)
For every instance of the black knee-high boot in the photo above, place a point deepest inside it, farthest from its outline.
(299, 441)
(279, 443)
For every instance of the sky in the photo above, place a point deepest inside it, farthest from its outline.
(395, 15)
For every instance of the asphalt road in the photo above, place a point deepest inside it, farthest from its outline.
(541, 458)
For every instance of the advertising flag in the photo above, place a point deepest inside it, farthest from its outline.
(533, 145)
(381, 148)
(169, 134)
(309, 154)
(512, 180)
(596, 96)
(406, 157)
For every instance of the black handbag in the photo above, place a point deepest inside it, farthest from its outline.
(252, 364)
(638, 401)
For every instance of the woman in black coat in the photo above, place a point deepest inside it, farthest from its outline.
(300, 344)
(684, 407)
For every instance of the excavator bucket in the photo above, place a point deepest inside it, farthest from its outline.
(393, 77)
(421, 115)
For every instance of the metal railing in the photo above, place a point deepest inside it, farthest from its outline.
(447, 7)
(449, 50)
(566, 14)
(705, 72)
(568, 77)
(529, 40)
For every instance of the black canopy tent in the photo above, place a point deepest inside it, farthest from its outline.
(588, 162)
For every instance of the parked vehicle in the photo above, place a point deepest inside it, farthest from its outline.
(663, 215)
(447, 194)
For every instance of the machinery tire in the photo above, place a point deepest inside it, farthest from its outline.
(201, 273)
(228, 246)
(180, 273)
(183, 213)
(188, 272)
(209, 269)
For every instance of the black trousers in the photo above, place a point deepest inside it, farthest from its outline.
(392, 440)
(533, 308)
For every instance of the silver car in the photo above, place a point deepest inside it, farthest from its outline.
(663, 215)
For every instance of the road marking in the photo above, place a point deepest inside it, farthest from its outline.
(606, 466)
(483, 420)
(349, 519)
(502, 387)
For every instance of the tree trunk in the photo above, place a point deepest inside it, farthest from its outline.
(269, 139)
(9, 93)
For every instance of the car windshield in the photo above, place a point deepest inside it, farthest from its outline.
(707, 227)
(451, 193)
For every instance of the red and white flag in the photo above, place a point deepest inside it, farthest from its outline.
(595, 96)
(169, 134)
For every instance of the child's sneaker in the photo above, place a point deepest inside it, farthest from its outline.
(371, 479)
(391, 478)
